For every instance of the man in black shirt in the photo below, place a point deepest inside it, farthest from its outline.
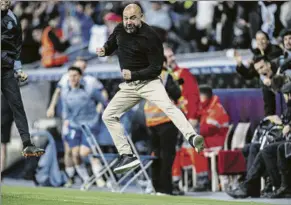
(11, 43)
(140, 53)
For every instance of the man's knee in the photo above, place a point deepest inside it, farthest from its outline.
(76, 157)
(84, 151)
(108, 116)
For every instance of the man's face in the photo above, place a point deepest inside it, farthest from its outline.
(81, 64)
(287, 42)
(5, 4)
(263, 68)
(131, 20)
(74, 78)
(262, 41)
(171, 59)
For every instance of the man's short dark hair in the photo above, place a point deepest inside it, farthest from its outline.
(264, 33)
(258, 58)
(74, 68)
(285, 32)
(206, 90)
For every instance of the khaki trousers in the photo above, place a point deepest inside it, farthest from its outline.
(129, 95)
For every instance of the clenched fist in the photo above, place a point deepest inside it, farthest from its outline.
(21, 76)
(100, 52)
(126, 74)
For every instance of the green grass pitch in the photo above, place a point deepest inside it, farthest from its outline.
(12, 195)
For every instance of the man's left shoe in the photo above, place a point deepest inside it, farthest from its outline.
(32, 151)
(125, 163)
(197, 142)
(282, 192)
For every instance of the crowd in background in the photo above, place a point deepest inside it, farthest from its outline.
(190, 26)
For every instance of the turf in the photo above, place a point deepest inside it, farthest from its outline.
(12, 195)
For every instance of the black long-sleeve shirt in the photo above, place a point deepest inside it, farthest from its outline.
(11, 39)
(141, 53)
(269, 96)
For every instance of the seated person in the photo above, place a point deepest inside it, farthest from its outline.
(267, 159)
(214, 122)
(280, 171)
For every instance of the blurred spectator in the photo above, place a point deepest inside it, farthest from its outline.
(84, 13)
(204, 18)
(285, 15)
(265, 69)
(53, 45)
(224, 20)
(284, 61)
(265, 47)
(111, 20)
(157, 16)
(214, 122)
(71, 29)
(189, 103)
(30, 47)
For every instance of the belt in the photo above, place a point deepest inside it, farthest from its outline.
(136, 82)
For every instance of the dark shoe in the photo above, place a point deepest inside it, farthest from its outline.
(126, 163)
(32, 151)
(176, 190)
(265, 193)
(238, 193)
(69, 183)
(197, 142)
(282, 192)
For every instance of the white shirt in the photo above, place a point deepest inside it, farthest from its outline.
(90, 81)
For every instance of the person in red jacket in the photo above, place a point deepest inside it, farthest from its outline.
(189, 103)
(214, 122)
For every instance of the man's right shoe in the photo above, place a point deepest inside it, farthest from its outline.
(197, 142)
(125, 163)
(239, 193)
(32, 151)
